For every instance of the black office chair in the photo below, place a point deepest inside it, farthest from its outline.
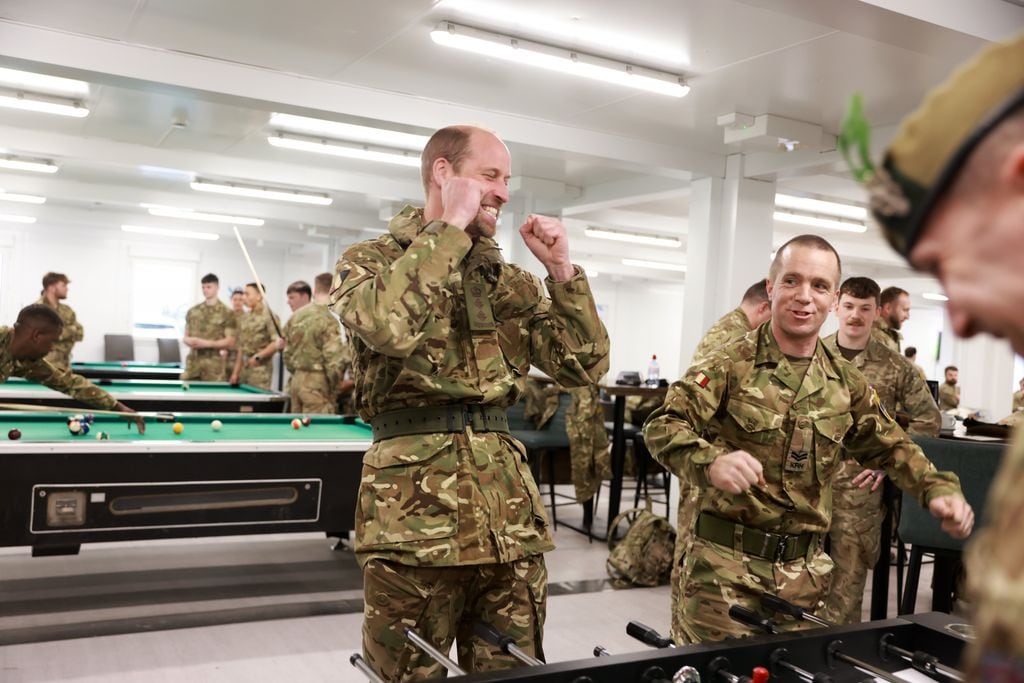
(169, 351)
(118, 347)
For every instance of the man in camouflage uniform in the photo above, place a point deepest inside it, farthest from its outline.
(23, 351)
(238, 308)
(759, 426)
(857, 509)
(257, 342)
(910, 353)
(450, 527)
(1018, 398)
(55, 290)
(895, 311)
(313, 352)
(209, 329)
(948, 195)
(949, 392)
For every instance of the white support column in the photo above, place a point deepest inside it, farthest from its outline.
(702, 296)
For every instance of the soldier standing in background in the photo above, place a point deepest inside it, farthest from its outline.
(55, 290)
(857, 508)
(895, 311)
(760, 426)
(910, 353)
(209, 328)
(949, 392)
(257, 342)
(238, 308)
(451, 529)
(313, 350)
(754, 309)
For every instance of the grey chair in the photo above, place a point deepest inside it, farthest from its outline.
(169, 351)
(118, 347)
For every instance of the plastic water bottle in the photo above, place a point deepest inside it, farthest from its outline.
(653, 371)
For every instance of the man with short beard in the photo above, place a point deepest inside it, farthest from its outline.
(895, 311)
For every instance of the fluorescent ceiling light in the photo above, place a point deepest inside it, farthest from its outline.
(279, 194)
(23, 198)
(633, 237)
(819, 221)
(55, 85)
(559, 59)
(43, 104)
(11, 218)
(934, 296)
(27, 164)
(788, 201)
(348, 131)
(166, 232)
(654, 265)
(322, 146)
(189, 214)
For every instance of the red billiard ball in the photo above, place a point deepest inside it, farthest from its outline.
(296, 423)
(14, 434)
(306, 422)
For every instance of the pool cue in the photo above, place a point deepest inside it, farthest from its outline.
(256, 277)
(33, 408)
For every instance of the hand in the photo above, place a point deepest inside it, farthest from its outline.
(345, 387)
(253, 361)
(735, 472)
(233, 379)
(546, 238)
(280, 343)
(137, 419)
(198, 343)
(460, 200)
(956, 515)
(872, 478)
(189, 342)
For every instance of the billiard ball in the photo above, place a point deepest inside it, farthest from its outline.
(14, 435)
(178, 428)
(85, 428)
(306, 422)
(216, 425)
(102, 436)
(296, 423)
(74, 426)
(89, 418)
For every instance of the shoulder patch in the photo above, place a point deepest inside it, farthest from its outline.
(701, 380)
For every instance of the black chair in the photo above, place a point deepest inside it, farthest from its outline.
(545, 448)
(118, 347)
(169, 350)
(976, 464)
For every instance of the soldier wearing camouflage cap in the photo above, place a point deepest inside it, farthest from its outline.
(760, 427)
(857, 509)
(55, 290)
(450, 529)
(209, 331)
(949, 196)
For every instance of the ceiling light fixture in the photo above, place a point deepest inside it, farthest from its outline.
(934, 296)
(259, 192)
(809, 205)
(11, 218)
(55, 85)
(559, 59)
(166, 232)
(632, 237)
(347, 131)
(189, 214)
(14, 99)
(23, 198)
(363, 152)
(819, 221)
(654, 265)
(28, 164)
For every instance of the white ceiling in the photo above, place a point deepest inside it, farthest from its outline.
(590, 151)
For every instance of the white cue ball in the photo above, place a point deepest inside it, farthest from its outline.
(216, 425)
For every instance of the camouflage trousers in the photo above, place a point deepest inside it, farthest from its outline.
(715, 577)
(442, 604)
(310, 394)
(686, 516)
(258, 376)
(205, 365)
(857, 516)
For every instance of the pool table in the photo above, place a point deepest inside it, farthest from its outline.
(128, 370)
(156, 395)
(257, 474)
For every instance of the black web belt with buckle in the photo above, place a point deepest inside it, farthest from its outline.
(763, 544)
(435, 419)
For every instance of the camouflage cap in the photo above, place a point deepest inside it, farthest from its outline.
(935, 141)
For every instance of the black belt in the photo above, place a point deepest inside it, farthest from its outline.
(434, 419)
(763, 544)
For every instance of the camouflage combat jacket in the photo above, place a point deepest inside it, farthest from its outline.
(730, 327)
(256, 331)
(949, 396)
(58, 379)
(750, 398)
(314, 343)
(898, 383)
(211, 323)
(436, 318)
(883, 332)
(1018, 401)
(70, 334)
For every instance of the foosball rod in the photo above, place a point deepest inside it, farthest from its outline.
(833, 652)
(505, 643)
(360, 663)
(434, 653)
(774, 603)
(779, 659)
(920, 660)
(647, 635)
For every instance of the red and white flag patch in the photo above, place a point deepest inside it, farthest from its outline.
(702, 380)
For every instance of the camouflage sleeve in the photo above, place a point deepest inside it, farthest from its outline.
(67, 382)
(568, 341)
(78, 332)
(877, 442)
(286, 355)
(673, 432)
(335, 357)
(917, 401)
(387, 303)
(231, 329)
(273, 324)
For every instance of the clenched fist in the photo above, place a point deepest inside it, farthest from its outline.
(735, 472)
(546, 238)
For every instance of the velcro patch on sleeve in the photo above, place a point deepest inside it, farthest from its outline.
(702, 380)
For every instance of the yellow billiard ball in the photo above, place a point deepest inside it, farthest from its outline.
(178, 428)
